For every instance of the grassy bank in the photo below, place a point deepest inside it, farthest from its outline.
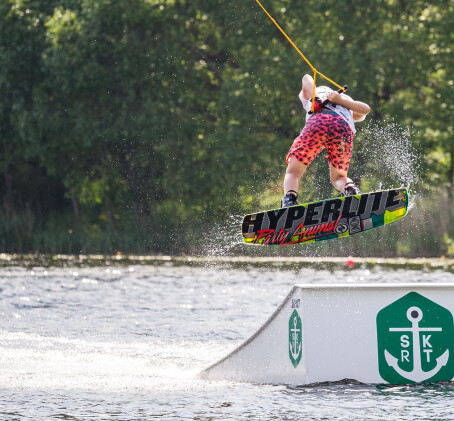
(244, 262)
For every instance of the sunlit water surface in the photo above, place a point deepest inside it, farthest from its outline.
(127, 343)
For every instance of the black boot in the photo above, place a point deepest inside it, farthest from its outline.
(290, 199)
(351, 189)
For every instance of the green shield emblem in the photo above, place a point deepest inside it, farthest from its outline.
(415, 338)
(295, 338)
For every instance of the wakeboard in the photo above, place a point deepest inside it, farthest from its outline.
(325, 219)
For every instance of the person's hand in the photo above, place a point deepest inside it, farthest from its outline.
(334, 97)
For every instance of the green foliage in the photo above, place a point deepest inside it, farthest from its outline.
(134, 124)
(449, 244)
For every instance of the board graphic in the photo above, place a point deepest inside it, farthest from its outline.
(325, 219)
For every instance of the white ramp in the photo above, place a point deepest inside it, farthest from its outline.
(385, 333)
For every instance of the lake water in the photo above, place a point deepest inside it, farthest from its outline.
(127, 343)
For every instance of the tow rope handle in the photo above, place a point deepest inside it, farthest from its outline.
(317, 104)
(340, 91)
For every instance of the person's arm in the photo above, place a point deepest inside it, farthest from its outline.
(307, 87)
(358, 108)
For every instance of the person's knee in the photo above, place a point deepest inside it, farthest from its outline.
(296, 168)
(294, 172)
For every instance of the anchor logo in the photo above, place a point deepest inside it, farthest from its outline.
(414, 315)
(415, 338)
(295, 338)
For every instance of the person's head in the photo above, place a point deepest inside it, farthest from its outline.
(322, 90)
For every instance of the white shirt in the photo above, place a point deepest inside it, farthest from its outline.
(322, 92)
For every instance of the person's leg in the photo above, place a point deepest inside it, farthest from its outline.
(339, 150)
(302, 152)
(342, 182)
(339, 178)
(295, 171)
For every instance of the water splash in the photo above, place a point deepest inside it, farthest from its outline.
(389, 157)
(38, 362)
(224, 236)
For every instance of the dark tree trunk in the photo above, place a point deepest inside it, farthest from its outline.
(76, 206)
(9, 195)
(110, 215)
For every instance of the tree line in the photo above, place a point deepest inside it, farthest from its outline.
(147, 126)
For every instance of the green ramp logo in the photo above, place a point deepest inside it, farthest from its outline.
(295, 338)
(415, 339)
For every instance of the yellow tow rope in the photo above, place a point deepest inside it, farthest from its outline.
(342, 89)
